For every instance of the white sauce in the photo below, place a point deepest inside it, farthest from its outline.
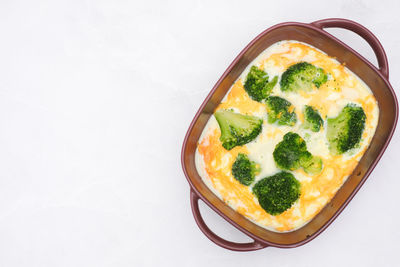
(260, 150)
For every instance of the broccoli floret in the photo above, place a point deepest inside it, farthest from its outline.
(257, 85)
(291, 154)
(312, 119)
(237, 129)
(344, 132)
(244, 170)
(302, 76)
(311, 164)
(287, 153)
(278, 192)
(280, 110)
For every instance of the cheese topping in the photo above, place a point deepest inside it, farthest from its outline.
(214, 163)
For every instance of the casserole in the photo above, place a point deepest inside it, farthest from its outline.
(375, 78)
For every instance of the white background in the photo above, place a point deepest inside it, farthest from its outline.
(95, 99)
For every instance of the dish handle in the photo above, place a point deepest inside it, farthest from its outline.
(366, 34)
(194, 203)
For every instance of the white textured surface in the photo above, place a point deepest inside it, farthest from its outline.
(95, 99)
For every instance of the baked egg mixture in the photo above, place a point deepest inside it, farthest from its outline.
(342, 87)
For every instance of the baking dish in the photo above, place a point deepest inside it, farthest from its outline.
(375, 78)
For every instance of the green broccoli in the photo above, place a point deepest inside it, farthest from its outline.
(278, 192)
(280, 110)
(291, 154)
(237, 129)
(312, 119)
(302, 76)
(311, 164)
(344, 132)
(244, 170)
(257, 85)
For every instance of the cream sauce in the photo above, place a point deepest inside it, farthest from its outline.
(214, 163)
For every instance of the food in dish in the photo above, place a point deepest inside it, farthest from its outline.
(287, 135)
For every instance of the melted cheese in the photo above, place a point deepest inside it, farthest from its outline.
(214, 163)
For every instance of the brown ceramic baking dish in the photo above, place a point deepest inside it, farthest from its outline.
(375, 78)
